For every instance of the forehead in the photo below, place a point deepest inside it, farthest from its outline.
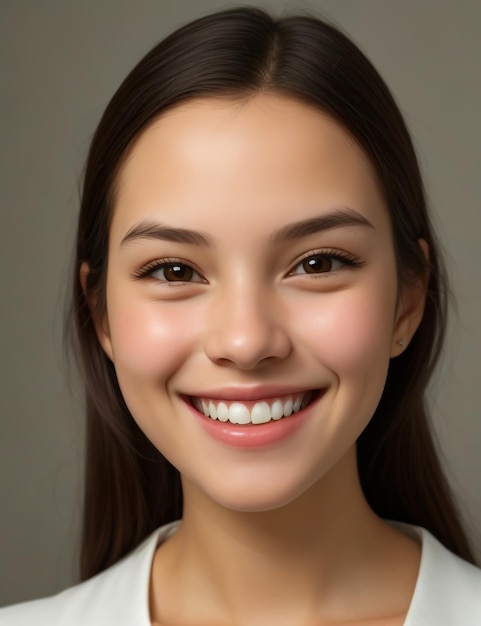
(211, 157)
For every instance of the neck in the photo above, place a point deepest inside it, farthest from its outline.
(288, 562)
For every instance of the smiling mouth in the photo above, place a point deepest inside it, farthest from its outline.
(259, 412)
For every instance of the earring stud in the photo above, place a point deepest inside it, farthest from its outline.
(401, 343)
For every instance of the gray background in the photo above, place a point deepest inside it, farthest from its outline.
(60, 63)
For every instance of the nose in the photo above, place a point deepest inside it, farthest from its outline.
(246, 328)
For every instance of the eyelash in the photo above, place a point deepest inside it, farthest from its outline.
(345, 258)
(148, 270)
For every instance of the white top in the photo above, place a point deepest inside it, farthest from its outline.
(447, 592)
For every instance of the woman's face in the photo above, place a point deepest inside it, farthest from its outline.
(251, 274)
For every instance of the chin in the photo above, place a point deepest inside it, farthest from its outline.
(255, 494)
(258, 503)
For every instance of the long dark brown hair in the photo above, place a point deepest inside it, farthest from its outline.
(130, 488)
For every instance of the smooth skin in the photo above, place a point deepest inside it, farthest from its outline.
(279, 534)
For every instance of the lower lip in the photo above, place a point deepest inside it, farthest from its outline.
(254, 435)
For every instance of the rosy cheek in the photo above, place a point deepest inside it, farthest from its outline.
(149, 339)
(350, 329)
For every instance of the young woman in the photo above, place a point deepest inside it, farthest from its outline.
(258, 306)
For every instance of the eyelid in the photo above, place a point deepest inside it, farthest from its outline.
(146, 271)
(342, 256)
(345, 258)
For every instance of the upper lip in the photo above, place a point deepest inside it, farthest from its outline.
(253, 393)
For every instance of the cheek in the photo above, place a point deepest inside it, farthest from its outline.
(352, 329)
(149, 339)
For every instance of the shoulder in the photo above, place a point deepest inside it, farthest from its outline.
(119, 595)
(448, 589)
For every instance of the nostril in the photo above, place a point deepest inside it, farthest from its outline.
(246, 333)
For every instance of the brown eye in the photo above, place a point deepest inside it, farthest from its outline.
(170, 272)
(317, 264)
(176, 272)
(326, 262)
(320, 264)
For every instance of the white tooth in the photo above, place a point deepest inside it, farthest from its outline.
(222, 412)
(277, 410)
(239, 414)
(205, 408)
(297, 404)
(260, 413)
(212, 410)
(288, 404)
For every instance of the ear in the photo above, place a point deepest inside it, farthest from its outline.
(410, 308)
(101, 322)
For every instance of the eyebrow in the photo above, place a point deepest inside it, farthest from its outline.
(156, 230)
(337, 218)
